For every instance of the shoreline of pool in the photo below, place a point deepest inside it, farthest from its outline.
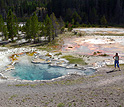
(22, 53)
(63, 76)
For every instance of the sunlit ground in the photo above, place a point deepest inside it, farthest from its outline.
(109, 43)
(101, 41)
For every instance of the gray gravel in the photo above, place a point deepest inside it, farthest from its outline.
(99, 90)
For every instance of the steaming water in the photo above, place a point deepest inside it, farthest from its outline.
(29, 71)
(43, 71)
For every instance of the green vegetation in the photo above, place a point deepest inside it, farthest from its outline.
(103, 20)
(62, 82)
(100, 54)
(103, 55)
(13, 96)
(76, 13)
(95, 53)
(61, 105)
(12, 25)
(57, 54)
(25, 99)
(68, 82)
(49, 28)
(21, 85)
(74, 104)
(75, 60)
(109, 34)
(70, 104)
(48, 49)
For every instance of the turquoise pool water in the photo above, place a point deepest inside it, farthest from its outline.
(43, 71)
(25, 70)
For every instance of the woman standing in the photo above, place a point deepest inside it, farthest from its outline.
(116, 58)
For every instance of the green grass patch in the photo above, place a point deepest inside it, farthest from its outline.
(25, 99)
(61, 105)
(13, 96)
(75, 60)
(25, 85)
(48, 49)
(109, 34)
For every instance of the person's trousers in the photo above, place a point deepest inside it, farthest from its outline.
(116, 63)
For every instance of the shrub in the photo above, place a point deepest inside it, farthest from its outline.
(60, 53)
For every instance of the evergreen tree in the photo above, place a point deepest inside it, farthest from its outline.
(55, 25)
(118, 12)
(76, 17)
(42, 30)
(73, 22)
(3, 29)
(27, 29)
(5, 32)
(12, 25)
(93, 17)
(1, 23)
(68, 15)
(90, 11)
(62, 24)
(34, 27)
(48, 28)
(103, 20)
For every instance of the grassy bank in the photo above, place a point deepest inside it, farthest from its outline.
(75, 60)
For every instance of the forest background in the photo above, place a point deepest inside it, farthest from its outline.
(90, 12)
(49, 17)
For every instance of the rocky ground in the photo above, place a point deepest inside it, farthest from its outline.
(103, 89)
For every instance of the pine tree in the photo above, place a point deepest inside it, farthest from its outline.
(5, 32)
(76, 17)
(3, 29)
(56, 26)
(27, 29)
(68, 15)
(43, 30)
(93, 17)
(1, 23)
(103, 20)
(118, 12)
(48, 28)
(12, 25)
(62, 24)
(34, 27)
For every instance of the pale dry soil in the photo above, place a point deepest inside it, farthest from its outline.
(102, 89)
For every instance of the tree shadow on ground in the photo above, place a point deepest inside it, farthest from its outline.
(39, 44)
(31, 44)
(111, 71)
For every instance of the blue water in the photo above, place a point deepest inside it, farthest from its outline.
(43, 71)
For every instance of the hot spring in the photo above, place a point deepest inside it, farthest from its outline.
(25, 70)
